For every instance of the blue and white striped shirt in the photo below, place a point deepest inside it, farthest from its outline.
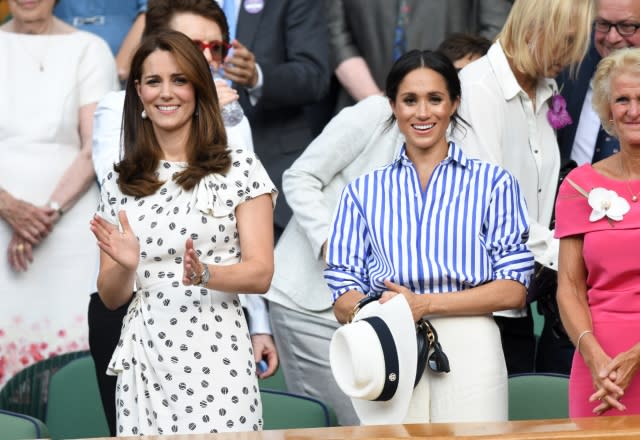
(467, 228)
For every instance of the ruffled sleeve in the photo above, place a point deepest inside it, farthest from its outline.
(219, 195)
(110, 196)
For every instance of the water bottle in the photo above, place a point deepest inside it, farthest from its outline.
(232, 112)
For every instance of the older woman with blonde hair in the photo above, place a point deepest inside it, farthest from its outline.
(506, 99)
(598, 223)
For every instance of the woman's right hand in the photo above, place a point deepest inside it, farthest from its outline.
(621, 370)
(32, 223)
(226, 94)
(417, 303)
(123, 247)
(607, 392)
(19, 253)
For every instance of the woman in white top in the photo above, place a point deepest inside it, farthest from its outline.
(51, 77)
(506, 97)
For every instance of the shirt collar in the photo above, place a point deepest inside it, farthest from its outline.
(454, 155)
(507, 80)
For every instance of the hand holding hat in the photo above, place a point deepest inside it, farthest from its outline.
(373, 360)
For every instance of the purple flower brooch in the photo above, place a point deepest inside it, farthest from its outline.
(557, 114)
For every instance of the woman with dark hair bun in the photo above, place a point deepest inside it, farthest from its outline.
(445, 231)
(196, 231)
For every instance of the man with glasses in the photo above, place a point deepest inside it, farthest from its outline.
(616, 26)
(584, 141)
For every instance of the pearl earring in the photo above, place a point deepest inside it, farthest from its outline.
(144, 114)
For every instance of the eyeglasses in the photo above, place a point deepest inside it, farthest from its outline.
(624, 28)
(217, 48)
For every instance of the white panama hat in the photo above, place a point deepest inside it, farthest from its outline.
(375, 357)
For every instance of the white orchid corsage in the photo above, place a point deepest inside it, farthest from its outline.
(605, 203)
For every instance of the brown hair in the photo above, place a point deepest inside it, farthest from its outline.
(459, 45)
(161, 12)
(207, 151)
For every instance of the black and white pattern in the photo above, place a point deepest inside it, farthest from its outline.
(184, 361)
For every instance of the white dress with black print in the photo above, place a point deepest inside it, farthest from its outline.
(184, 360)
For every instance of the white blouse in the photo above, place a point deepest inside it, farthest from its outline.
(508, 131)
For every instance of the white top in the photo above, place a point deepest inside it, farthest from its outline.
(39, 139)
(507, 131)
(107, 150)
(584, 143)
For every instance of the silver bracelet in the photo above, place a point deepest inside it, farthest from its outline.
(582, 335)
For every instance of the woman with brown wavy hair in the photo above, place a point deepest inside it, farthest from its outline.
(196, 231)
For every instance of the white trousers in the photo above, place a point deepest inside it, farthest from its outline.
(476, 389)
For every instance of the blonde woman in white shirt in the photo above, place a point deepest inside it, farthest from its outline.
(507, 96)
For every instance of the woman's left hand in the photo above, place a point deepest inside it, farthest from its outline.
(608, 393)
(191, 265)
(416, 302)
(19, 253)
(621, 370)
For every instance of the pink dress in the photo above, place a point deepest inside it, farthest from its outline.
(612, 257)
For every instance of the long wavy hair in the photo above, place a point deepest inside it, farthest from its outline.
(207, 150)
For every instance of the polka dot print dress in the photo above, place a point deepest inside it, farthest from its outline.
(184, 360)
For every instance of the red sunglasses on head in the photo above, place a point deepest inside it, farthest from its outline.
(217, 48)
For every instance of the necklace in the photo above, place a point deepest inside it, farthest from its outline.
(43, 54)
(634, 195)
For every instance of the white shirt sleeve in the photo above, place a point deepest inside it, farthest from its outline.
(256, 91)
(107, 125)
(258, 314)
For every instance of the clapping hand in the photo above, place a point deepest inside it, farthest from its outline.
(122, 246)
(193, 268)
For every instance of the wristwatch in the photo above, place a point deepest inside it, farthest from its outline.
(205, 276)
(56, 207)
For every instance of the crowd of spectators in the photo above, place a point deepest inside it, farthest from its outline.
(329, 91)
